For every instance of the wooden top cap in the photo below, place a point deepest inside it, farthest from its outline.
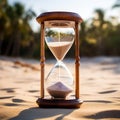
(69, 16)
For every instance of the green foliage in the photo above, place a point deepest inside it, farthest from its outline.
(16, 32)
(97, 35)
(101, 37)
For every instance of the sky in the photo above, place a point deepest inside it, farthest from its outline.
(84, 8)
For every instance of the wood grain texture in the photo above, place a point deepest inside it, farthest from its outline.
(71, 16)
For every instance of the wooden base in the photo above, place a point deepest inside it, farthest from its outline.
(59, 103)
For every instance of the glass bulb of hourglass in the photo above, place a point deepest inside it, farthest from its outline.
(59, 44)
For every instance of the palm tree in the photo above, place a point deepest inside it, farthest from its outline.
(14, 13)
(4, 21)
(96, 29)
(20, 28)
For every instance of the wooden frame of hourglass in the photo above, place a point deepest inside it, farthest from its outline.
(62, 19)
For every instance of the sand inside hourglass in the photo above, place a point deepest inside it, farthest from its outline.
(59, 49)
(59, 90)
(59, 46)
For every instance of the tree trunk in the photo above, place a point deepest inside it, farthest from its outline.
(16, 45)
(10, 43)
(1, 41)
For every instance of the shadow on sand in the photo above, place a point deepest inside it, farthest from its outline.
(105, 114)
(40, 113)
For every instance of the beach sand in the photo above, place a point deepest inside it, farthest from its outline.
(99, 89)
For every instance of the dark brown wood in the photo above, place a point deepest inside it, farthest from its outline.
(77, 60)
(42, 61)
(71, 16)
(54, 103)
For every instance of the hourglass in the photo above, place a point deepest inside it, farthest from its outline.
(59, 88)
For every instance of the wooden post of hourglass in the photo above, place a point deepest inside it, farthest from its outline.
(42, 61)
(77, 60)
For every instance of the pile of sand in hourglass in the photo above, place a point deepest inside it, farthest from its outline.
(59, 90)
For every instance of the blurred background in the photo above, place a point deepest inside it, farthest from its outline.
(20, 32)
